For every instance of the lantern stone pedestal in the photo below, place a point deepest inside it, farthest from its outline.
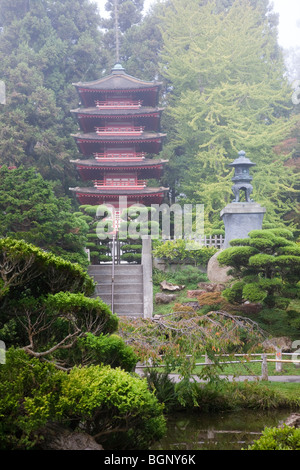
(240, 218)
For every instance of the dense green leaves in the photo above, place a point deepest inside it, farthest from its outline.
(117, 409)
(227, 93)
(29, 210)
(45, 47)
(262, 272)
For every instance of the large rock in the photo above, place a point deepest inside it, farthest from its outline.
(217, 273)
(211, 286)
(283, 342)
(194, 293)
(165, 285)
(165, 298)
(59, 438)
(293, 420)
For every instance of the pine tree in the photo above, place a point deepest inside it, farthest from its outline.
(45, 46)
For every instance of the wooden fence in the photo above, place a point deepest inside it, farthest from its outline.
(264, 360)
(216, 241)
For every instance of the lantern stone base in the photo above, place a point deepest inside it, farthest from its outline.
(240, 218)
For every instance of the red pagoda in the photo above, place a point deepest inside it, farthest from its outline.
(119, 130)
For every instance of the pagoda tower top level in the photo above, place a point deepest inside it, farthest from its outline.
(118, 81)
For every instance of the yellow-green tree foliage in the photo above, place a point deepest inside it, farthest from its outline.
(227, 93)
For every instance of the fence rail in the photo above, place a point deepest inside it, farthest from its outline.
(216, 241)
(263, 360)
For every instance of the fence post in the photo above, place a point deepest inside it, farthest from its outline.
(207, 360)
(279, 357)
(264, 367)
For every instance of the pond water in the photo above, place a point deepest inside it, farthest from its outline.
(218, 431)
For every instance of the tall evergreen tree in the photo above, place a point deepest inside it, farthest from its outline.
(45, 46)
(228, 93)
(123, 15)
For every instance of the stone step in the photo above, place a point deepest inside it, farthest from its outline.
(126, 288)
(119, 269)
(118, 279)
(128, 309)
(121, 298)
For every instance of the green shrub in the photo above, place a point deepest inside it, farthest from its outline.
(117, 409)
(114, 407)
(108, 350)
(183, 250)
(163, 387)
(189, 275)
(285, 438)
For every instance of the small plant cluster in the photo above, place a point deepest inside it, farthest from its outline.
(187, 251)
(285, 438)
(266, 268)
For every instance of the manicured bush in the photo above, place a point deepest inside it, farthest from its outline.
(285, 438)
(109, 404)
(108, 350)
(117, 409)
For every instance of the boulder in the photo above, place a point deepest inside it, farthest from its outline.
(193, 304)
(194, 293)
(165, 285)
(250, 307)
(283, 342)
(165, 298)
(293, 420)
(211, 286)
(59, 438)
(215, 272)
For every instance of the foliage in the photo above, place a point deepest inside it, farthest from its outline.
(266, 269)
(183, 250)
(35, 312)
(284, 438)
(163, 387)
(29, 210)
(221, 99)
(177, 339)
(110, 401)
(107, 349)
(117, 409)
(22, 264)
(29, 392)
(45, 47)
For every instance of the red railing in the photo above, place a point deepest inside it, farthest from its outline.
(118, 104)
(119, 130)
(137, 184)
(120, 156)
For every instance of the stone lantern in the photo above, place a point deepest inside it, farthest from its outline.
(239, 217)
(242, 179)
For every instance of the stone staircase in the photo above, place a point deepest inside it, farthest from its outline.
(128, 287)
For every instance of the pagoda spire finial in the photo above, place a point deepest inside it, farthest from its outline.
(116, 14)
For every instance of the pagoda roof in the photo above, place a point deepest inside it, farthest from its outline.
(144, 191)
(92, 163)
(95, 137)
(117, 80)
(144, 110)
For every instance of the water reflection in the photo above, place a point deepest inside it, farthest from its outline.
(221, 431)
